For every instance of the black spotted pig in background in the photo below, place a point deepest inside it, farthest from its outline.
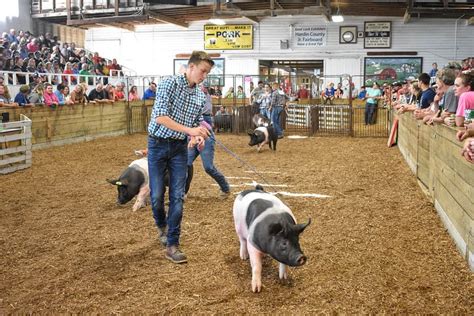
(134, 181)
(260, 120)
(267, 226)
(263, 135)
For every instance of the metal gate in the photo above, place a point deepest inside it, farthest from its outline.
(310, 120)
(379, 123)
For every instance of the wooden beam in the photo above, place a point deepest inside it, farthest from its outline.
(313, 10)
(167, 19)
(455, 11)
(406, 17)
(107, 20)
(68, 9)
(470, 21)
(124, 26)
(278, 4)
(326, 4)
(384, 53)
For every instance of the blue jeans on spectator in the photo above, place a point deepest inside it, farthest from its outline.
(171, 155)
(369, 112)
(207, 158)
(276, 111)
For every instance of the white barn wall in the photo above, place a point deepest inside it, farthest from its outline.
(152, 48)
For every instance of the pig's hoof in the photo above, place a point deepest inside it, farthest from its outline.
(256, 286)
(244, 256)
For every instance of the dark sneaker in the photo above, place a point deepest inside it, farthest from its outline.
(223, 195)
(175, 255)
(162, 236)
(280, 136)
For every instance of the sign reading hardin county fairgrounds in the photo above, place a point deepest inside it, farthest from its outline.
(309, 36)
(232, 37)
(377, 34)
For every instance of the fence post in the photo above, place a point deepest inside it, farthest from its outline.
(351, 116)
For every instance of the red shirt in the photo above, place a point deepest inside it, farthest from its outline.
(303, 94)
(119, 95)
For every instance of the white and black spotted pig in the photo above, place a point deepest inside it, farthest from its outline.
(134, 181)
(263, 135)
(267, 226)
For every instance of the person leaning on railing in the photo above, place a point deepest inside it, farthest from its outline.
(448, 102)
(133, 94)
(119, 94)
(412, 99)
(36, 95)
(464, 89)
(99, 95)
(77, 95)
(5, 99)
(22, 96)
(50, 98)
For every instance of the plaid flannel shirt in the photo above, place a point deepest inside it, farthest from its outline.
(175, 99)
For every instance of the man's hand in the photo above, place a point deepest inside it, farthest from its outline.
(196, 140)
(199, 131)
(450, 121)
(463, 134)
(468, 150)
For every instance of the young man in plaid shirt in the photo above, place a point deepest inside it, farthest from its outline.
(176, 114)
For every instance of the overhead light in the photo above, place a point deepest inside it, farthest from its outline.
(338, 18)
(216, 21)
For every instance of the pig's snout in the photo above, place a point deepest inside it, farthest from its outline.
(120, 202)
(301, 260)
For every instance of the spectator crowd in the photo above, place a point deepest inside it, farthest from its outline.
(55, 73)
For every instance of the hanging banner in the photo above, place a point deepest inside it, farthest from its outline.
(309, 36)
(231, 37)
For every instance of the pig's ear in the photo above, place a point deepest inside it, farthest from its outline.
(275, 228)
(117, 182)
(114, 182)
(301, 227)
(250, 132)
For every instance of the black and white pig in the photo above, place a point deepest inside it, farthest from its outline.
(263, 135)
(134, 181)
(260, 120)
(265, 225)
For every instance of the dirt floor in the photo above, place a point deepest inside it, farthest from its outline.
(376, 246)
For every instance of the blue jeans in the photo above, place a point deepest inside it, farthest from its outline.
(276, 111)
(265, 112)
(170, 155)
(207, 158)
(369, 112)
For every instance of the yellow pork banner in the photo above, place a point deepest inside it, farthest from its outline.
(231, 37)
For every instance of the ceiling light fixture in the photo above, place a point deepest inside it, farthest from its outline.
(216, 21)
(337, 18)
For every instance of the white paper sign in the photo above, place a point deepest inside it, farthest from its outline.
(310, 36)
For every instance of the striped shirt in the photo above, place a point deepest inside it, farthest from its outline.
(175, 99)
